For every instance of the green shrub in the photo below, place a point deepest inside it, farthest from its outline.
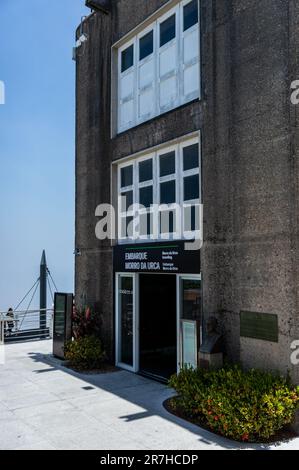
(85, 353)
(247, 406)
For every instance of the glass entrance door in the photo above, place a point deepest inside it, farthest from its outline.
(190, 304)
(125, 322)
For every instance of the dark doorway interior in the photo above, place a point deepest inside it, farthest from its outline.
(158, 326)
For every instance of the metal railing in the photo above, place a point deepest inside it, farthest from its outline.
(26, 325)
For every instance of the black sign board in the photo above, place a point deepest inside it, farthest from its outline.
(167, 258)
(262, 326)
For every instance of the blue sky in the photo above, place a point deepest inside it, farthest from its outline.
(37, 143)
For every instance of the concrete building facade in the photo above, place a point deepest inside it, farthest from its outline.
(246, 129)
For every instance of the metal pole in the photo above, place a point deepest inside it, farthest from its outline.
(43, 292)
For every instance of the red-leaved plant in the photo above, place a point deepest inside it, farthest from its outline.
(86, 322)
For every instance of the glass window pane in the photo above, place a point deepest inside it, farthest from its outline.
(126, 320)
(191, 218)
(146, 45)
(167, 222)
(146, 225)
(146, 196)
(190, 14)
(127, 58)
(167, 164)
(126, 201)
(191, 188)
(167, 193)
(126, 176)
(167, 30)
(127, 227)
(191, 300)
(191, 157)
(146, 171)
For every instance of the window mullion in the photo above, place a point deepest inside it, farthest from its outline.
(135, 106)
(155, 59)
(180, 67)
(194, 171)
(156, 196)
(180, 184)
(119, 90)
(135, 183)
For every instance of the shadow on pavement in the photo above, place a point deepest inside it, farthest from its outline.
(142, 392)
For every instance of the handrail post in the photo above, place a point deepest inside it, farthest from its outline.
(1, 331)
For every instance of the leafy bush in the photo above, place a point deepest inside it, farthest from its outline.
(247, 406)
(85, 353)
(86, 322)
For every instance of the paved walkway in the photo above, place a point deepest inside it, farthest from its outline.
(45, 406)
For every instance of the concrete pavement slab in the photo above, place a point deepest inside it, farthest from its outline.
(42, 445)
(29, 400)
(43, 410)
(44, 405)
(16, 433)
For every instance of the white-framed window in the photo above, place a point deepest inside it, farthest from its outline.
(159, 194)
(159, 68)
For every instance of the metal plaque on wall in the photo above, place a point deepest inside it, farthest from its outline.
(262, 326)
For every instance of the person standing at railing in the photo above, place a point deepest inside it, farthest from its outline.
(9, 324)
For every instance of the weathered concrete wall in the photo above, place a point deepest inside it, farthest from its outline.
(250, 165)
(94, 276)
(294, 180)
(249, 261)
